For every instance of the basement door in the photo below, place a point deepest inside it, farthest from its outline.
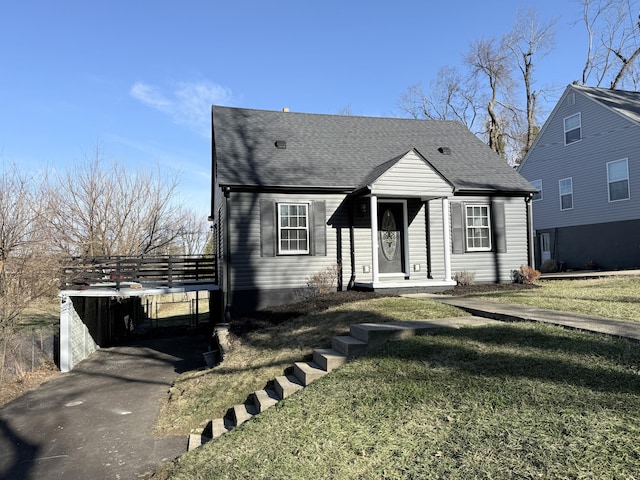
(390, 238)
(545, 247)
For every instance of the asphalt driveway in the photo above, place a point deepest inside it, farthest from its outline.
(97, 421)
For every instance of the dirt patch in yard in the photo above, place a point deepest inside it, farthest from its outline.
(275, 315)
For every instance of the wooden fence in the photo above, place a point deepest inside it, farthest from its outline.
(147, 271)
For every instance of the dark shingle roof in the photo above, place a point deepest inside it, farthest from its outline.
(624, 102)
(344, 151)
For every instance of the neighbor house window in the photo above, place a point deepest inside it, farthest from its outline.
(566, 193)
(618, 178)
(293, 228)
(478, 227)
(537, 184)
(572, 129)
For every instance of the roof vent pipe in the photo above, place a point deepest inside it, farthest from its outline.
(444, 150)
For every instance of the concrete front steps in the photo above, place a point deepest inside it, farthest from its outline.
(362, 339)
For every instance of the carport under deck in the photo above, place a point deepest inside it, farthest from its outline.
(92, 286)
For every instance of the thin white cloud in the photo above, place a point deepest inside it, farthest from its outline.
(189, 103)
(150, 96)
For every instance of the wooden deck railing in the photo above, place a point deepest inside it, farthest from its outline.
(147, 271)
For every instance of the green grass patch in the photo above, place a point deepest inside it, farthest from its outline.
(43, 313)
(508, 401)
(263, 354)
(610, 297)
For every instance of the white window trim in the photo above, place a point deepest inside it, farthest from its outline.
(467, 227)
(279, 229)
(560, 193)
(534, 182)
(564, 127)
(626, 160)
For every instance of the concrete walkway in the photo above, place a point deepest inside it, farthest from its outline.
(97, 421)
(511, 312)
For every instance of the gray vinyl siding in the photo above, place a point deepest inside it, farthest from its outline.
(493, 266)
(417, 240)
(252, 271)
(362, 248)
(606, 136)
(411, 177)
(218, 214)
(436, 239)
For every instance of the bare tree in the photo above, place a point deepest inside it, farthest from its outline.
(194, 233)
(452, 96)
(488, 60)
(530, 41)
(100, 208)
(613, 32)
(27, 268)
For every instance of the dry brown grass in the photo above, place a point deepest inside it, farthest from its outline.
(18, 386)
(270, 342)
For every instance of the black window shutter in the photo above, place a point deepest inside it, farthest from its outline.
(457, 227)
(319, 232)
(499, 227)
(267, 228)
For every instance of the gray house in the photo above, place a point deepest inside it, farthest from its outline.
(388, 204)
(585, 163)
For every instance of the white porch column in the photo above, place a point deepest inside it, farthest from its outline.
(373, 209)
(66, 362)
(446, 235)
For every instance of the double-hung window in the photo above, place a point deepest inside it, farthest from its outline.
(572, 129)
(478, 227)
(618, 179)
(566, 193)
(537, 184)
(293, 228)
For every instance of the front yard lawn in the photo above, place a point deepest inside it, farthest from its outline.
(507, 401)
(611, 297)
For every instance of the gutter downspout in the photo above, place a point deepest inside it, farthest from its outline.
(227, 257)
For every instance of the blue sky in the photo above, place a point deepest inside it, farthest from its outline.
(138, 78)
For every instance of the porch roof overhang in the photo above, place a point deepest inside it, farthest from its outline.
(369, 190)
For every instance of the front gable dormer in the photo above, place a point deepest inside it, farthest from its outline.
(409, 175)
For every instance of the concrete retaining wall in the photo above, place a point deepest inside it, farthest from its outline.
(76, 342)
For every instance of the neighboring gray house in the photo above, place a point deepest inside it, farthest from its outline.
(392, 204)
(585, 163)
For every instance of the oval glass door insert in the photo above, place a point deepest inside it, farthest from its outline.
(389, 235)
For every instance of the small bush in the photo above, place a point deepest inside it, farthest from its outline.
(322, 282)
(527, 275)
(465, 277)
